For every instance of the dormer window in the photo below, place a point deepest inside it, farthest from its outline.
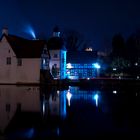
(8, 60)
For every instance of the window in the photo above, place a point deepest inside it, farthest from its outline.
(8, 107)
(19, 107)
(45, 51)
(55, 55)
(8, 60)
(19, 62)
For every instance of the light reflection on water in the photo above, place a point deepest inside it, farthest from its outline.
(83, 112)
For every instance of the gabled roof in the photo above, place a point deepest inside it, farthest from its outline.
(25, 48)
(81, 57)
(56, 43)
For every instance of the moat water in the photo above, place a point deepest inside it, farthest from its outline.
(32, 112)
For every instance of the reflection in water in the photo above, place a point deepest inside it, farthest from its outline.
(69, 95)
(53, 102)
(114, 91)
(57, 101)
(96, 98)
(14, 99)
(71, 112)
(89, 96)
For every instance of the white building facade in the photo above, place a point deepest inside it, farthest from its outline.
(21, 60)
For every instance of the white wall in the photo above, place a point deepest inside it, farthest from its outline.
(29, 72)
(60, 64)
(54, 60)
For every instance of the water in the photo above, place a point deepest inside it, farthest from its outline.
(46, 112)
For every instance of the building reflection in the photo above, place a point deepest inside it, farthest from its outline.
(53, 102)
(15, 99)
(56, 102)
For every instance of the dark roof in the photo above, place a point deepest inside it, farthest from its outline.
(25, 48)
(81, 57)
(56, 43)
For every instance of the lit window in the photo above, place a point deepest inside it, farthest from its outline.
(19, 62)
(8, 60)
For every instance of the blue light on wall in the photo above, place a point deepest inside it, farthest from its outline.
(79, 71)
(63, 73)
(96, 65)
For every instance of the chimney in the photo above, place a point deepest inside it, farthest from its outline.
(5, 31)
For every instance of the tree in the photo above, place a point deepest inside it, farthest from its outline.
(74, 40)
(133, 46)
(118, 46)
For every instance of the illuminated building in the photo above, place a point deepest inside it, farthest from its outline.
(22, 60)
(82, 64)
(58, 55)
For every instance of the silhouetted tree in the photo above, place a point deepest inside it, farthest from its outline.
(118, 46)
(133, 46)
(74, 40)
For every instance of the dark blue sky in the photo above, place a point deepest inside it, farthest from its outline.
(97, 20)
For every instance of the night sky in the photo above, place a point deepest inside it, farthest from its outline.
(97, 20)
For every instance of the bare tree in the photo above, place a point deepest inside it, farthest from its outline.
(74, 40)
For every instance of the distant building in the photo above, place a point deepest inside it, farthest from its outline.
(82, 64)
(57, 54)
(22, 60)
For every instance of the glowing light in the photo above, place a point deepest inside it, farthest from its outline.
(30, 31)
(136, 64)
(43, 107)
(114, 91)
(44, 61)
(58, 91)
(96, 98)
(138, 77)
(88, 49)
(88, 78)
(114, 69)
(68, 72)
(97, 66)
(69, 95)
(69, 66)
